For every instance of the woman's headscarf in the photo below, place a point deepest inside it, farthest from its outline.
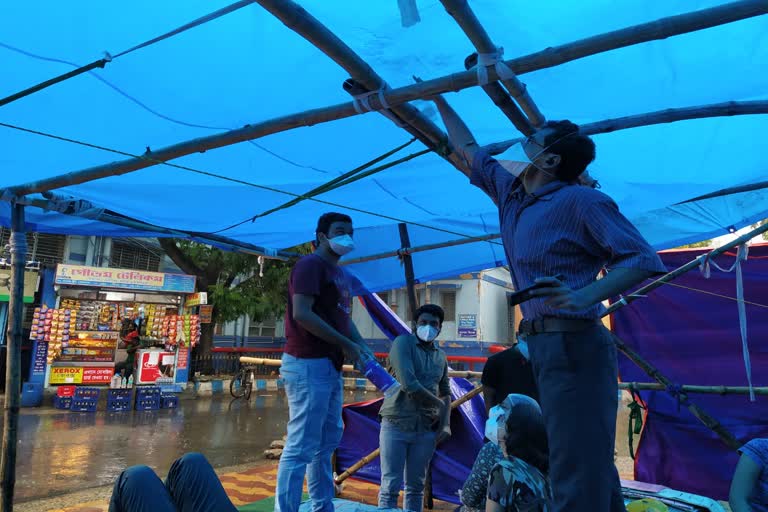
(517, 426)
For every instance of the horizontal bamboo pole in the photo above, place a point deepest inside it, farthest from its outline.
(654, 30)
(421, 248)
(368, 458)
(467, 20)
(729, 191)
(307, 26)
(641, 292)
(119, 220)
(669, 115)
(710, 422)
(349, 368)
(711, 390)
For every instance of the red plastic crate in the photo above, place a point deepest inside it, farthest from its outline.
(66, 391)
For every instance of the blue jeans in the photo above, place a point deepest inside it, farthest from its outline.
(577, 376)
(192, 486)
(315, 395)
(404, 452)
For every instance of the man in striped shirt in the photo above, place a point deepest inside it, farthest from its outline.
(551, 225)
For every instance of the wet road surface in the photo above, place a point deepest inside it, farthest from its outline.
(61, 452)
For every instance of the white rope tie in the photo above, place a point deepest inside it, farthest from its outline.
(741, 255)
(495, 59)
(362, 103)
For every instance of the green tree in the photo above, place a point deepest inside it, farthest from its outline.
(234, 283)
(697, 245)
(762, 223)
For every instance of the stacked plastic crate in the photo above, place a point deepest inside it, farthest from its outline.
(147, 398)
(63, 398)
(119, 400)
(86, 399)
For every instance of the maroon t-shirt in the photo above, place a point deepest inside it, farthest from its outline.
(312, 275)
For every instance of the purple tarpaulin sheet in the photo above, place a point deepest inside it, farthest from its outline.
(693, 338)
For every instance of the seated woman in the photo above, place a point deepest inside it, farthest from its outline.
(191, 486)
(518, 483)
(475, 489)
(749, 488)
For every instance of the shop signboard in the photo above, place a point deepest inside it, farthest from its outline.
(196, 299)
(206, 314)
(122, 279)
(39, 359)
(182, 359)
(98, 375)
(467, 326)
(66, 375)
(81, 375)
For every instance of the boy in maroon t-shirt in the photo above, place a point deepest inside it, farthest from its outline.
(319, 332)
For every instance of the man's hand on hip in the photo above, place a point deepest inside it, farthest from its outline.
(559, 296)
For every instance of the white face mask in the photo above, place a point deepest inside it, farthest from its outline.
(426, 333)
(497, 416)
(516, 153)
(342, 244)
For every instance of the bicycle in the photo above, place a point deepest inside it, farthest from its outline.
(242, 383)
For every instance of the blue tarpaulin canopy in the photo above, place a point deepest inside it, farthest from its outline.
(247, 67)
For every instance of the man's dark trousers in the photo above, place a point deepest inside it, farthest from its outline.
(577, 377)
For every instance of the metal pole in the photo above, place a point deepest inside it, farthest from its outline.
(13, 364)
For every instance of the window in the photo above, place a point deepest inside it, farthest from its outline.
(130, 254)
(40, 246)
(448, 303)
(265, 329)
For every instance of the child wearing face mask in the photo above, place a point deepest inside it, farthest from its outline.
(415, 418)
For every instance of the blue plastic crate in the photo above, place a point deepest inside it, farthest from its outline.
(169, 401)
(148, 404)
(62, 402)
(118, 406)
(87, 393)
(83, 405)
(147, 392)
(119, 394)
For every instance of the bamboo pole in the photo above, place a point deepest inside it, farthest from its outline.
(705, 390)
(410, 279)
(307, 26)
(641, 292)
(710, 422)
(728, 438)
(637, 34)
(120, 220)
(349, 368)
(13, 360)
(421, 248)
(354, 468)
(729, 191)
(467, 20)
(669, 115)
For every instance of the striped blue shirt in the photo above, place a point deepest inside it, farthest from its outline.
(563, 228)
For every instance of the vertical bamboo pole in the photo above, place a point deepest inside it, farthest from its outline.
(410, 279)
(13, 365)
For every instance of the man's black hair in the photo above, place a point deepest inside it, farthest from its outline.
(430, 309)
(327, 219)
(576, 151)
